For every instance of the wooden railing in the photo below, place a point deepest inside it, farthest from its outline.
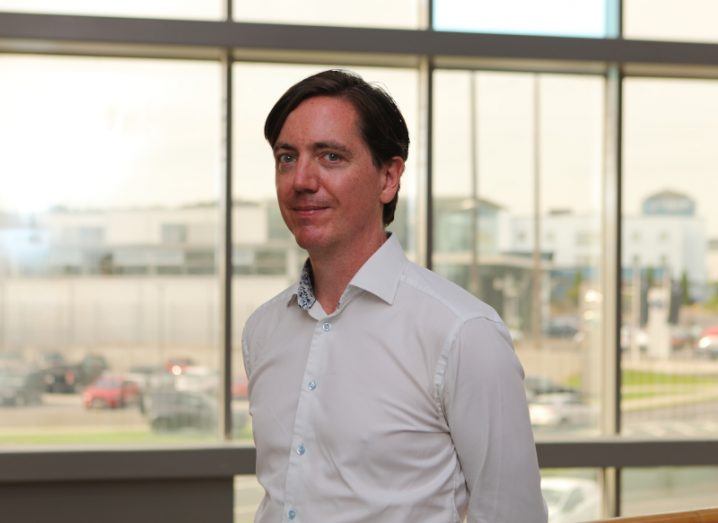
(693, 516)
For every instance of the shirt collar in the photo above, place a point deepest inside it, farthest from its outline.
(379, 275)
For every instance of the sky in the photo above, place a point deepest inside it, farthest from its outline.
(87, 132)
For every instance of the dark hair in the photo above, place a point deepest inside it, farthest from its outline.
(381, 124)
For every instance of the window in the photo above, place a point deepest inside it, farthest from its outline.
(551, 17)
(667, 489)
(105, 280)
(114, 265)
(687, 20)
(371, 13)
(667, 174)
(485, 136)
(202, 9)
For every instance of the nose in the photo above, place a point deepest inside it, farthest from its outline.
(306, 176)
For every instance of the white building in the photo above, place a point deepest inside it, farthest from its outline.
(667, 235)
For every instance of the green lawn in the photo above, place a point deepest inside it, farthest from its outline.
(635, 377)
(656, 383)
(115, 437)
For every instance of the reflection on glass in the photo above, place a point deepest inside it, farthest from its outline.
(266, 257)
(690, 20)
(669, 334)
(667, 489)
(572, 494)
(405, 14)
(108, 299)
(517, 155)
(202, 9)
(552, 17)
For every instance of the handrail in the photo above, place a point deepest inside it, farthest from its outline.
(692, 516)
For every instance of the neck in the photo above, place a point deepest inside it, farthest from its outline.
(333, 270)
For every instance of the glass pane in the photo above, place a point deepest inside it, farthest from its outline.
(550, 17)
(669, 335)
(201, 9)
(247, 495)
(266, 257)
(670, 489)
(572, 494)
(498, 180)
(370, 13)
(108, 297)
(693, 20)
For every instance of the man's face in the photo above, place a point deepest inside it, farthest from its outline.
(330, 192)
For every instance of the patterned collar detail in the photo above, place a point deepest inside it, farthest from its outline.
(305, 290)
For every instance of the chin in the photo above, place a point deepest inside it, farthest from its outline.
(310, 241)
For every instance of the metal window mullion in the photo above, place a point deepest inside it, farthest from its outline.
(611, 273)
(537, 258)
(226, 250)
(611, 267)
(38, 32)
(426, 86)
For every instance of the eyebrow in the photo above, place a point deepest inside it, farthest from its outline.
(330, 144)
(283, 145)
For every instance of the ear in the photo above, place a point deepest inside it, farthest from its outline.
(390, 179)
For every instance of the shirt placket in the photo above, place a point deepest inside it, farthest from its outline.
(303, 434)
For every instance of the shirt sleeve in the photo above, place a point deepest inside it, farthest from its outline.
(245, 349)
(485, 406)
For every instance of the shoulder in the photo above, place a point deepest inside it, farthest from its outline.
(446, 296)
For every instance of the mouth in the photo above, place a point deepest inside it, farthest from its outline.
(307, 211)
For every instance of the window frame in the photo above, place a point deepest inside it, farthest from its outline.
(426, 50)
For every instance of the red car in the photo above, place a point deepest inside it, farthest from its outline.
(240, 387)
(111, 392)
(177, 366)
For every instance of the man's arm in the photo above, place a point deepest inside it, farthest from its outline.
(485, 406)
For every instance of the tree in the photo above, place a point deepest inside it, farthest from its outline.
(685, 290)
(574, 293)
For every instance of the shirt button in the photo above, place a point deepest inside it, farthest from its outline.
(312, 385)
(326, 326)
(301, 450)
(292, 514)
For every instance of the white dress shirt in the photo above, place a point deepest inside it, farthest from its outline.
(405, 404)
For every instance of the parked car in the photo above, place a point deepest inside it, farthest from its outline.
(183, 409)
(177, 366)
(21, 387)
(537, 385)
(150, 377)
(707, 345)
(560, 409)
(61, 376)
(197, 379)
(561, 327)
(111, 392)
(240, 387)
(571, 499)
(641, 338)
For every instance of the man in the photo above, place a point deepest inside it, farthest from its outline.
(379, 391)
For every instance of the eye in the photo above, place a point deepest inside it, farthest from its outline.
(285, 158)
(332, 157)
